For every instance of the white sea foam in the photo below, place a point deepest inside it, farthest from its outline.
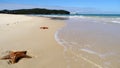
(116, 21)
(103, 55)
(89, 51)
(60, 41)
(77, 17)
(88, 60)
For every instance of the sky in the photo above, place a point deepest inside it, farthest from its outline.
(75, 6)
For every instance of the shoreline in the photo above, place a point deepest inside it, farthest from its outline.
(40, 44)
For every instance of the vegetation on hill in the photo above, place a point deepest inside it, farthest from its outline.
(35, 11)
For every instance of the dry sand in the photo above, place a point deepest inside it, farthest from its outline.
(20, 32)
(24, 33)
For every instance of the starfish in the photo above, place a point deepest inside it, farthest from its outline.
(14, 57)
(44, 27)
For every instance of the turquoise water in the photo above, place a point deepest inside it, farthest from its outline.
(100, 15)
(89, 15)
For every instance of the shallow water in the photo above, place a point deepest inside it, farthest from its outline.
(96, 40)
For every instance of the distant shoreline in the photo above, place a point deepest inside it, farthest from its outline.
(35, 11)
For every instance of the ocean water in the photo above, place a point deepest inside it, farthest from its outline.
(93, 38)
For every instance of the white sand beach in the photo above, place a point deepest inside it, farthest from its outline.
(23, 33)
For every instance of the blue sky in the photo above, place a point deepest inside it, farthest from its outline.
(81, 6)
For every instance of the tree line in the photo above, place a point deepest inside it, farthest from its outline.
(34, 11)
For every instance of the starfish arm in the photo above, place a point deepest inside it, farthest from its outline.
(5, 57)
(27, 56)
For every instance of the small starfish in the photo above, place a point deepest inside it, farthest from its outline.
(14, 57)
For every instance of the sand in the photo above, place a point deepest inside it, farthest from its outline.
(20, 32)
(24, 33)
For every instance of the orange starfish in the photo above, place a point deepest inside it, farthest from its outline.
(14, 57)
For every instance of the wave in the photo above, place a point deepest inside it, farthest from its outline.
(95, 18)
